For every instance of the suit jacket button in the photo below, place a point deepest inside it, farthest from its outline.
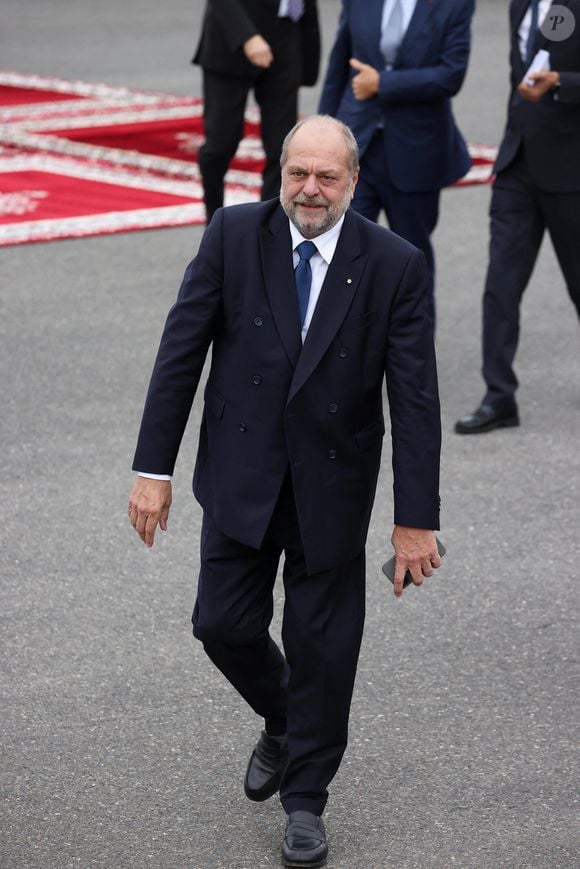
(332, 454)
(332, 407)
(243, 426)
(343, 352)
(256, 379)
(258, 321)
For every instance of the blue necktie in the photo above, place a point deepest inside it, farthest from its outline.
(303, 276)
(533, 30)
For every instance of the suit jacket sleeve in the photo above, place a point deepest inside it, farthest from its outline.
(310, 32)
(188, 333)
(411, 377)
(234, 21)
(338, 69)
(438, 82)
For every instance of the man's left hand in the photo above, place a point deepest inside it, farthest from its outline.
(543, 82)
(416, 551)
(365, 84)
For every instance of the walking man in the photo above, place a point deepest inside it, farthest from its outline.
(537, 187)
(307, 307)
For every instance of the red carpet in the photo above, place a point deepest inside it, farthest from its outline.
(80, 159)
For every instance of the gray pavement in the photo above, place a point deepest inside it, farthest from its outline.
(121, 746)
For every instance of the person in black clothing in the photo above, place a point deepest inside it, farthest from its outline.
(269, 46)
(537, 187)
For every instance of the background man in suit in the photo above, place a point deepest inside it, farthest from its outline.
(392, 71)
(270, 46)
(537, 187)
(308, 306)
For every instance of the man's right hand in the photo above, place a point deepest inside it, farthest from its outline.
(258, 51)
(365, 84)
(149, 504)
(534, 86)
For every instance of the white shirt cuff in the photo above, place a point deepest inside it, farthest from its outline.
(154, 476)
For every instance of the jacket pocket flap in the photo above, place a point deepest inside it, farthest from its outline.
(362, 321)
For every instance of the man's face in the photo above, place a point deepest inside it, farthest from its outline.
(317, 185)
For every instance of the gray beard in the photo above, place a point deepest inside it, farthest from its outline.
(331, 217)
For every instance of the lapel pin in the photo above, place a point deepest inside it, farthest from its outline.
(349, 280)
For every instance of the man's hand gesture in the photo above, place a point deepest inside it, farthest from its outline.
(365, 83)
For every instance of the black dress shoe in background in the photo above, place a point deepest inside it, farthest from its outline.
(266, 767)
(487, 417)
(304, 841)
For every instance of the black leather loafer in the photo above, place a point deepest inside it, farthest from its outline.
(304, 842)
(487, 417)
(266, 767)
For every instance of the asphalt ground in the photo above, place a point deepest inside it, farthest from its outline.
(121, 745)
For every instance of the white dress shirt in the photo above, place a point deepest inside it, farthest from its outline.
(319, 262)
(524, 30)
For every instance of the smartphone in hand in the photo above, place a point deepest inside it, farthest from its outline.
(389, 566)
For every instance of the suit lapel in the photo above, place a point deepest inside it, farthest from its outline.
(423, 9)
(519, 9)
(371, 27)
(338, 290)
(278, 274)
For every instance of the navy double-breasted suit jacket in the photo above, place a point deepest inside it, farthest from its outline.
(423, 147)
(273, 405)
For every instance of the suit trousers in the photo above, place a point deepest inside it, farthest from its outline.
(308, 689)
(225, 98)
(519, 215)
(413, 216)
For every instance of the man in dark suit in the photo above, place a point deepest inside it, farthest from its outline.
(307, 306)
(268, 46)
(537, 186)
(393, 69)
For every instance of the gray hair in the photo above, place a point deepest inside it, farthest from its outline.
(349, 140)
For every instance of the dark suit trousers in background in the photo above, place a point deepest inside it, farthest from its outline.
(413, 216)
(225, 97)
(311, 687)
(519, 214)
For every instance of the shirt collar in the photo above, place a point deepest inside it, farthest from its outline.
(325, 242)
